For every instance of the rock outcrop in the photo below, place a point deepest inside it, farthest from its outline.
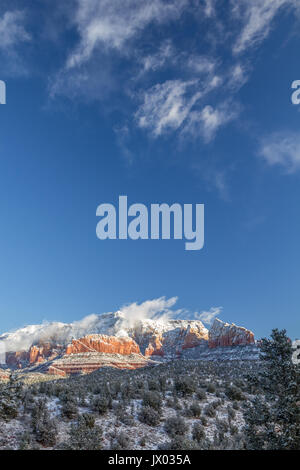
(170, 338)
(17, 359)
(225, 334)
(112, 342)
(85, 363)
(4, 374)
(35, 355)
(103, 344)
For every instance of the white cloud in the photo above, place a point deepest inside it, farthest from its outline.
(208, 316)
(282, 149)
(161, 310)
(12, 35)
(111, 24)
(209, 119)
(167, 105)
(209, 7)
(200, 64)
(122, 48)
(157, 309)
(12, 30)
(237, 76)
(257, 17)
(165, 53)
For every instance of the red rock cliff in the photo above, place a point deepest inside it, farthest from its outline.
(103, 344)
(225, 334)
(158, 340)
(36, 355)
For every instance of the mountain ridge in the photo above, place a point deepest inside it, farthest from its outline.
(114, 338)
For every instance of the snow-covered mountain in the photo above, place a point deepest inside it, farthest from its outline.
(114, 336)
(63, 333)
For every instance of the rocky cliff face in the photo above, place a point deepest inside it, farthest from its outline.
(113, 342)
(17, 359)
(224, 334)
(103, 344)
(4, 375)
(168, 338)
(35, 355)
(88, 362)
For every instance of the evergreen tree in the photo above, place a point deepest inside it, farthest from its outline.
(10, 398)
(84, 435)
(273, 421)
(43, 426)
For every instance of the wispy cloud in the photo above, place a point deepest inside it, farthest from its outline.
(155, 61)
(208, 316)
(12, 34)
(283, 149)
(238, 75)
(161, 310)
(257, 18)
(210, 7)
(208, 120)
(111, 24)
(12, 30)
(165, 106)
(157, 309)
(172, 86)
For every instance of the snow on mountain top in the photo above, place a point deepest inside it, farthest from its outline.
(152, 315)
(60, 333)
(114, 324)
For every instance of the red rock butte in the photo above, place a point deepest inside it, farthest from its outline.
(147, 339)
(224, 334)
(103, 344)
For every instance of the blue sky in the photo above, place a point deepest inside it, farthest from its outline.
(186, 101)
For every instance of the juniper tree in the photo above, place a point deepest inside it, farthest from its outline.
(273, 421)
(149, 415)
(44, 427)
(10, 399)
(175, 426)
(152, 399)
(84, 435)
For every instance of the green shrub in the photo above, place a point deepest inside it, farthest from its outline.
(152, 399)
(175, 426)
(149, 416)
(198, 432)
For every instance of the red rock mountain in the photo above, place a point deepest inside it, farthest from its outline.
(4, 375)
(103, 344)
(225, 334)
(169, 338)
(124, 346)
(37, 354)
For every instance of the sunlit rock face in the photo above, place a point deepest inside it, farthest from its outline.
(109, 340)
(4, 375)
(168, 338)
(17, 359)
(224, 334)
(36, 354)
(103, 344)
(85, 363)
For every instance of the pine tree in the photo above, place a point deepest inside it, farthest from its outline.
(10, 399)
(84, 435)
(273, 422)
(43, 426)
